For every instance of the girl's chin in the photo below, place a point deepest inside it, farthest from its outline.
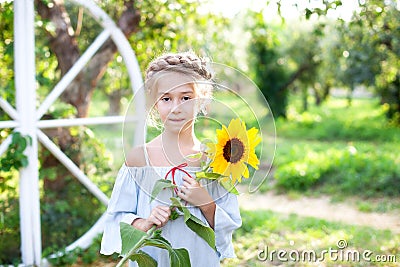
(177, 127)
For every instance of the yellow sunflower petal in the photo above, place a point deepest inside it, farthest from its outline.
(253, 136)
(222, 134)
(238, 170)
(227, 171)
(218, 165)
(253, 161)
(234, 128)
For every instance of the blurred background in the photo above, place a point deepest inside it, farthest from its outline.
(329, 69)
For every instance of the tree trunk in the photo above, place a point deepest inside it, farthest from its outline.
(326, 91)
(303, 68)
(115, 102)
(64, 45)
(305, 98)
(318, 98)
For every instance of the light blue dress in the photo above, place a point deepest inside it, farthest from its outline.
(130, 199)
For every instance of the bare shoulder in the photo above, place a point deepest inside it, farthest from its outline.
(135, 157)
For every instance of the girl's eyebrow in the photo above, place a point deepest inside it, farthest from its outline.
(182, 93)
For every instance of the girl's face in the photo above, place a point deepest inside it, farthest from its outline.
(175, 101)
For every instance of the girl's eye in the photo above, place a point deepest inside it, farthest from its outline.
(186, 98)
(165, 99)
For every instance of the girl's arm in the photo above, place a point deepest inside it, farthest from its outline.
(159, 216)
(192, 192)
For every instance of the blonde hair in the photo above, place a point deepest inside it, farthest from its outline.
(187, 63)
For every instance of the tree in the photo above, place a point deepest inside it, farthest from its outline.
(276, 65)
(265, 65)
(370, 50)
(63, 32)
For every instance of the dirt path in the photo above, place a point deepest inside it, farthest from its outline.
(320, 207)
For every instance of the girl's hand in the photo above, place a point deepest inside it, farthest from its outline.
(159, 216)
(192, 192)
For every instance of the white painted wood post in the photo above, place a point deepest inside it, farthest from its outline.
(24, 65)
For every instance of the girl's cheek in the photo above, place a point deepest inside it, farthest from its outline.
(163, 111)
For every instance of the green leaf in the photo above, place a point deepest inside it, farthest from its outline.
(204, 231)
(158, 241)
(15, 137)
(195, 156)
(208, 175)
(178, 257)
(29, 139)
(130, 236)
(213, 175)
(308, 13)
(143, 259)
(176, 203)
(229, 186)
(24, 161)
(174, 215)
(160, 185)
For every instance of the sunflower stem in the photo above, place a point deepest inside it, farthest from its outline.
(126, 257)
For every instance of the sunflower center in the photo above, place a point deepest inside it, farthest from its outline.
(233, 150)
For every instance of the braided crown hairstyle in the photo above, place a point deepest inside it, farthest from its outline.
(187, 63)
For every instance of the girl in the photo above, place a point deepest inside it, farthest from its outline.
(176, 85)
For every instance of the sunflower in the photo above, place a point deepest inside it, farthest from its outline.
(234, 150)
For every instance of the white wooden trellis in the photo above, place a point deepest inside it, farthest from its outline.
(27, 119)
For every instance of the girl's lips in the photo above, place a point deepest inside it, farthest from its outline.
(176, 120)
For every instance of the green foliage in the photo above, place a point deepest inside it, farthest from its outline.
(143, 259)
(11, 162)
(74, 205)
(343, 170)
(364, 120)
(359, 158)
(304, 173)
(9, 223)
(78, 256)
(134, 239)
(370, 42)
(178, 26)
(268, 72)
(6, 53)
(15, 157)
(68, 258)
(161, 185)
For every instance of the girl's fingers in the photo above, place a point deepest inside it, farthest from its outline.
(186, 184)
(189, 180)
(160, 218)
(160, 215)
(164, 213)
(165, 208)
(182, 195)
(153, 219)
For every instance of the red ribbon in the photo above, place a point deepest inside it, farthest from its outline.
(172, 172)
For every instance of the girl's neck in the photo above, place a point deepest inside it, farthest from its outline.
(172, 149)
(185, 140)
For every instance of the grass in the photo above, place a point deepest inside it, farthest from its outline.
(292, 232)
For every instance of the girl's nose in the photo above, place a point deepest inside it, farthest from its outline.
(176, 106)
